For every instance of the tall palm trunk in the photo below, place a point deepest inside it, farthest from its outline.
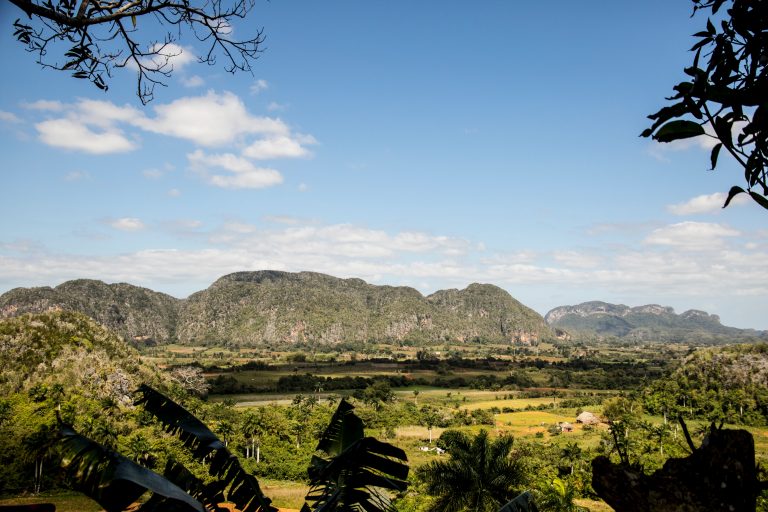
(38, 481)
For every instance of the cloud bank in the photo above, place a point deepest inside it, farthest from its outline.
(213, 121)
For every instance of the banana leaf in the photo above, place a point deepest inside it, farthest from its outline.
(358, 470)
(243, 488)
(114, 481)
(210, 495)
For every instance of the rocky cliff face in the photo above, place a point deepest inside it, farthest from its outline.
(138, 314)
(253, 308)
(651, 322)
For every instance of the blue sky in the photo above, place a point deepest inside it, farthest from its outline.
(427, 144)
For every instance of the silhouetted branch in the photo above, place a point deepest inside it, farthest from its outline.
(686, 434)
(100, 35)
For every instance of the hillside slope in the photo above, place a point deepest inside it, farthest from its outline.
(70, 350)
(267, 306)
(137, 314)
(645, 323)
(271, 307)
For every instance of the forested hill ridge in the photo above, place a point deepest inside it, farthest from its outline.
(135, 313)
(645, 323)
(272, 307)
(71, 351)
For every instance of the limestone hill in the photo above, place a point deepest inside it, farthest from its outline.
(254, 308)
(645, 323)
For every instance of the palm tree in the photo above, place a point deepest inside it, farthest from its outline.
(480, 475)
(257, 424)
(558, 497)
(429, 417)
(571, 455)
(139, 449)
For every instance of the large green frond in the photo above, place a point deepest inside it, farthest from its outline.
(112, 480)
(358, 471)
(243, 488)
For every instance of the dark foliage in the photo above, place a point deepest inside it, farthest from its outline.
(727, 91)
(97, 36)
(243, 488)
(356, 470)
(114, 481)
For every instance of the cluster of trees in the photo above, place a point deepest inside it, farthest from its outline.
(579, 373)
(348, 470)
(728, 385)
(270, 441)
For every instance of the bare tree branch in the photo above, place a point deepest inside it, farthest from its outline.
(95, 37)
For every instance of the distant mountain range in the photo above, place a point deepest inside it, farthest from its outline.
(278, 308)
(271, 308)
(645, 323)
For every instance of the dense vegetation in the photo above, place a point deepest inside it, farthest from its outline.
(581, 373)
(87, 375)
(726, 385)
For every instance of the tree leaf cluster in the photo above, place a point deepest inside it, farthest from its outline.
(726, 94)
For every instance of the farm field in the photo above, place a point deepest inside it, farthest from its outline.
(65, 501)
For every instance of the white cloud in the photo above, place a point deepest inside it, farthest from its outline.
(238, 227)
(244, 173)
(707, 203)
(577, 259)
(259, 178)
(177, 56)
(259, 85)
(8, 117)
(210, 120)
(274, 106)
(152, 174)
(283, 219)
(169, 56)
(278, 147)
(174, 192)
(691, 235)
(50, 105)
(213, 119)
(184, 226)
(226, 161)
(303, 187)
(104, 113)
(69, 134)
(342, 241)
(127, 224)
(155, 173)
(509, 258)
(192, 81)
(221, 26)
